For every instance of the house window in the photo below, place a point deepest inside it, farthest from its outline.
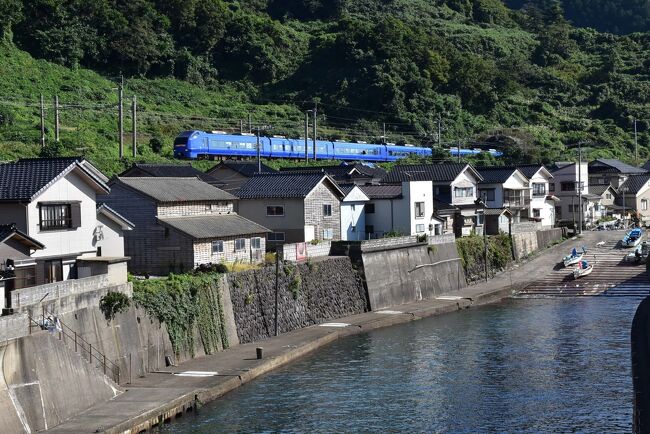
(57, 216)
(419, 210)
(644, 205)
(568, 186)
(275, 236)
(256, 243)
(419, 228)
(370, 229)
(487, 194)
(539, 189)
(537, 212)
(464, 192)
(328, 234)
(275, 210)
(217, 246)
(551, 186)
(327, 210)
(240, 244)
(480, 218)
(370, 208)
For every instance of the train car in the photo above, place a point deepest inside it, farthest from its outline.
(201, 144)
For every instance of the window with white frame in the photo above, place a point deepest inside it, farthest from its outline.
(539, 189)
(240, 244)
(463, 191)
(327, 210)
(537, 212)
(419, 228)
(217, 246)
(328, 234)
(274, 210)
(419, 210)
(256, 243)
(275, 236)
(644, 205)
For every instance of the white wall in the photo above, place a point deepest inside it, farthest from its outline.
(112, 243)
(406, 221)
(383, 218)
(352, 214)
(464, 179)
(67, 241)
(547, 208)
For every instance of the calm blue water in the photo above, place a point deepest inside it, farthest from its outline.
(526, 365)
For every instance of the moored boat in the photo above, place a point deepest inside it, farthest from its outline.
(632, 238)
(583, 269)
(574, 257)
(639, 254)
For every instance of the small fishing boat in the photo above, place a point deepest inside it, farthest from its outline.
(639, 254)
(632, 238)
(574, 257)
(583, 269)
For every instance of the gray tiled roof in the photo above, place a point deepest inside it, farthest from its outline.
(441, 207)
(442, 172)
(646, 166)
(21, 180)
(529, 170)
(340, 170)
(213, 226)
(245, 168)
(175, 189)
(634, 183)
(283, 185)
(598, 189)
(613, 165)
(382, 191)
(10, 230)
(496, 211)
(103, 208)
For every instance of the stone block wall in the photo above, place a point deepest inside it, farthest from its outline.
(308, 294)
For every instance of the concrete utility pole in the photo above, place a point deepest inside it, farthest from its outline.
(42, 121)
(383, 138)
(259, 159)
(439, 138)
(306, 136)
(120, 118)
(134, 110)
(56, 119)
(241, 126)
(250, 128)
(278, 251)
(459, 145)
(636, 146)
(580, 186)
(315, 112)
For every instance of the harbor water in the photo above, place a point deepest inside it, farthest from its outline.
(525, 365)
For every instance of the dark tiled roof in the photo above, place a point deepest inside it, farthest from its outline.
(560, 165)
(175, 189)
(443, 207)
(283, 185)
(8, 231)
(340, 170)
(497, 211)
(529, 170)
(245, 168)
(646, 166)
(598, 189)
(442, 172)
(610, 165)
(634, 183)
(167, 171)
(382, 191)
(495, 174)
(21, 180)
(213, 226)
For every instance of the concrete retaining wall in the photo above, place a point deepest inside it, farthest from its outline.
(525, 243)
(308, 294)
(43, 383)
(13, 326)
(411, 273)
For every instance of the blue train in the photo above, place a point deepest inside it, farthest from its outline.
(200, 144)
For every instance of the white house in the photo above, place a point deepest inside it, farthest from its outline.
(505, 187)
(564, 185)
(54, 201)
(353, 216)
(542, 203)
(453, 184)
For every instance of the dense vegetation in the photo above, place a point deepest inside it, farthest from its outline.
(524, 79)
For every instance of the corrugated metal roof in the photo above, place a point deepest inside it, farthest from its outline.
(442, 172)
(382, 191)
(284, 185)
(634, 183)
(213, 226)
(175, 189)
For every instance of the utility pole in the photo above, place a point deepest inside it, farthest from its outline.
(259, 159)
(56, 118)
(241, 126)
(458, 149)
(636, 146)
(42, 122)
(580, 186)
(120, 118)
(315, 111)
(439, 138)
(250, 128)
(134, 110)
(306, 136)
(277, 273)
(383, 138)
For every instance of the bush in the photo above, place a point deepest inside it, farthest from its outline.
(113, 303)
(269, 258)
(211, 268)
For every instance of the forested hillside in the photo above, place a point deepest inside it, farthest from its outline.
(524, 78)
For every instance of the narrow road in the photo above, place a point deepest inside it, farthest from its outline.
(612, 276)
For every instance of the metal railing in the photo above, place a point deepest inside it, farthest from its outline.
(81, 346)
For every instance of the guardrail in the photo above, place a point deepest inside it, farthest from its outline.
(81, 346)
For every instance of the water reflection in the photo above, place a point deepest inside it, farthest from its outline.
(552, 365)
